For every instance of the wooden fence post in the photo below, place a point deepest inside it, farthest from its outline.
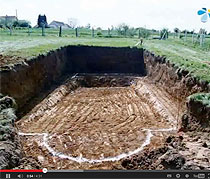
(43, 30)
(93, 35)
(29, 31)
(201, 39)
(139, 33)
(10, 30)
(179, 34)
(109, 34)
(60, 31)
(185, 39)
(193, 38)
(76, 32)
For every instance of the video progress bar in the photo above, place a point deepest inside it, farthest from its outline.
(123, 174)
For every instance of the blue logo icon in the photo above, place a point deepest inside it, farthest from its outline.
(205, 14)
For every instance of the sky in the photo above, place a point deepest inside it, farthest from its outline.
(152, 14)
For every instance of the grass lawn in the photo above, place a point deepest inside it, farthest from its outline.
(184, 54)
(204, 98)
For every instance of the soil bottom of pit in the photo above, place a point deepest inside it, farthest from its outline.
(83, 127)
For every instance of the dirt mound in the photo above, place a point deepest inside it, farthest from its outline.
(8, 62)
(165, 157)
(197, 116)
(185, 152)
(10, 149)
(28, 164)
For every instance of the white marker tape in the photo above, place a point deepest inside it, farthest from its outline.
(81, 159)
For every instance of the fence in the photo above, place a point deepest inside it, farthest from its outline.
(187, 38)
(60, 32)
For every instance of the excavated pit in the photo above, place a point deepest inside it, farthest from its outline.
(86, 107)
(96, 121)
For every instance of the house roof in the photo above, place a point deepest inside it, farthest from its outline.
(9, 17)
(56, 23)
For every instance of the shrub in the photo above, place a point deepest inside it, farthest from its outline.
(132, 32)
(144, 33)
(99, 34)
(21, 23)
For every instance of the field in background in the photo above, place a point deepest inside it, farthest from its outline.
(182, 52)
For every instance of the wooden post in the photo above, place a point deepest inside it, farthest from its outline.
(93, 32)
(139, 33)
(29, 31)
(204, 37)
(10, 30)
(76, 32)
(193, 38)
(60, 31)
(43, 32)
(109, 34)
(201, 39)
(185, 39)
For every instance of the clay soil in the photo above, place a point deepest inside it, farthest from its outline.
(97, 127)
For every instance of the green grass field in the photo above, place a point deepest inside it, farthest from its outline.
(186, 55)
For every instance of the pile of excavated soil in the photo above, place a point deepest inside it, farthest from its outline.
(197, 115)
(10, 149)
(7, 62)
(78, 127)
(186, 151)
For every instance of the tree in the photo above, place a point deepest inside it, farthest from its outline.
(122, 29)
(185, 31)
(72, 22)
(42, 21)
(88, 26)
(164, 34)
(2, 22)
(144, 33)
(21, 23)
(202, 31)
(176, 30)
(132, 31)
(192, 32)
(112, 28)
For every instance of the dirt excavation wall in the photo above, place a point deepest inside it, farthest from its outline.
(189, 149)
(180, 84)
(24, 82)
(197, 117)
(176, 81)
(106, 60)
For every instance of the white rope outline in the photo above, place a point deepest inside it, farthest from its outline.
(81, 159)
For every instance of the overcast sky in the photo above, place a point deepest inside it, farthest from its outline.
(155, 14)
